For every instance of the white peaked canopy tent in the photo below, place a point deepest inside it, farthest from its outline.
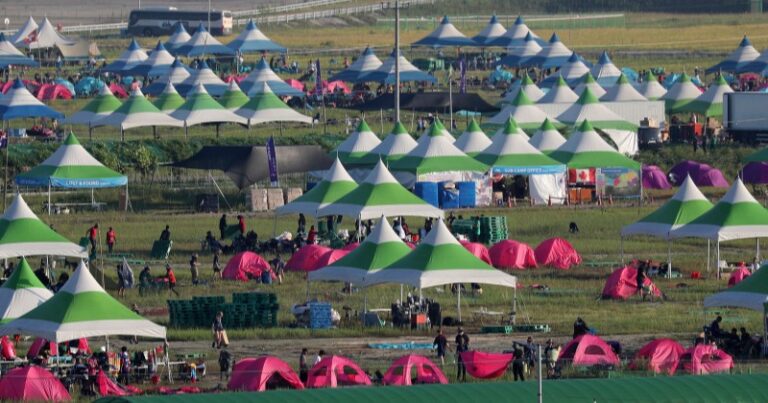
(177, 73)
(179, 37)
(560, 93)
(408, 72)
(202, 43)
(23, 33)
(251, 39)
(131, 58)
(355, 150)
(710, 103)
(522, 54)
(21, 293)
(205, 76)
(397, 144)
(622, 91)
(233, 98)
(266, 107)
(473, 140)
(588, 81)
(651, 88)
(262, 73)
(102, 105)
(366, 63)
(553, 55)
(436, 128)
(522, 109)
(572, 71)
(738, 59)
(169, 100)
(516, 34)
(526, 85)
(682, 93)
(335, 184)
(19, 103)
(135, 112)
(10, 56)
(46, 37)
(159, 61)
(201, 108)
(444, 35)
(605, 72)
(547, 138)
(490, 33)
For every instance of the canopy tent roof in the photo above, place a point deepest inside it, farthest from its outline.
(137, 111)
(178, 38)
(444, 35)
(436, 128)
(366, 63)
(516, 34)
(553, 55)
(440, 259)
(19, 103)
(651, 88)
(526, 85)
(379, 249)
(560, 93)
(177, 73)
(434, 153)
(681, 94)
(750, 293)
(335, 184)
(131, 58)
(586, 149)
(522, 54)
(205, 76)
(473, 140)
(30, 25)
(233, 98)
(588, 81)
(251, 39)
(739, 58)
(10, 56)
(755, 66)
(355, 149)
(71, 166)
(510, 148)
(408, 72)
(169, 100)
(262, 73)
(759, 156)
(736, 216)
(547, 138)
(200, 107)
(490, 33)
(524, 111)
(397, 144)
(687, 204)
(605, 72)
(46, 37)
(21, 293)
(202, 43)
(158, 62)
(622, 91)
(102, 105)
(265, 107)
(380, 194)
(82, 309)
(23, 234)
(437, 102)
(710, 103)
(571, 71)
(588, 107)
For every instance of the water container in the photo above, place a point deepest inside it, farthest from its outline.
(427, 191)
(467, 194)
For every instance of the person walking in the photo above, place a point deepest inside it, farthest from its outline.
(220, 338)
(241, 224)
(171, 276)
(165, 235)
(303, 365)
(216, 265)
(462, 345)
(93, 234)
(194, 269)
(111, 238)
(223, 226)
(441, 345)
(225, 364)
(518, 364)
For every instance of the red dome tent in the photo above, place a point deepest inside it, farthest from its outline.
(587, 350)
(32, 384)
(331, 256)
(660, 355)
(106, 387)
(557, 253)
(245, 266)
(512, 255)
(118, 91)
(705, 359)
(333, 371)
(401, 371)
(478, 250)
(486, 365)
(306, 258)
(737, 275)
(48, 92)
(254, 374)
(622, 284)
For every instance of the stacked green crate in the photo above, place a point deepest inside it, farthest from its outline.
(206, 309)
(181, 313)
(493, 229)
(465, 228)
(259, 308)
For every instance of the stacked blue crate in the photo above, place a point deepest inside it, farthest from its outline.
(467, 194)
(427, 191)
(320, 315)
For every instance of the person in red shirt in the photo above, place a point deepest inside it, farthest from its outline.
(111, 238)
(93, 234)
(312, 236)
(171, 279)
(241, 223)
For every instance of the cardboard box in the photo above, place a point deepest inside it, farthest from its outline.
(258, 200)
(275, 198)
(292, 194)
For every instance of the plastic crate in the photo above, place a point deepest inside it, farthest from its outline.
(467, 194)
(427, 191)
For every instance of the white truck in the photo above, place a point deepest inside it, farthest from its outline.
(745, 116)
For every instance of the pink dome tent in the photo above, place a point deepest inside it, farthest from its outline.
(107, 387)
(351, 246)
(704, 359)
(660, 355)
(512, 255)
(8, 352)
(244, 267)
(557, 253)
(330, 257)
(49, 92)
(737, 275)
(306, 258)
(486, 365)
(654, 178)
(32, 383)
(401, 372)
(478, 250)
(333, 371)
(587, 350)
(255, 374)
(622, 284)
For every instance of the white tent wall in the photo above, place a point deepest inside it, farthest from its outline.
(483, 186)
(633, 111)
(626, 141)
(547, 187)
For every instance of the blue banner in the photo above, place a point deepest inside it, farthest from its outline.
(272, 161)
(531, 170)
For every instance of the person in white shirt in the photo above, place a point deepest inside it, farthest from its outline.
(320, 355)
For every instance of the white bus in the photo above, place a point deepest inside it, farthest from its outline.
(161, 21)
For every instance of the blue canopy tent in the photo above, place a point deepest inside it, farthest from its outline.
(129, 59)
(490, 33)
(214, 85)
(177, 73)
(605, 72)
(253, 40)
(738, 59)
(262, 73)
(158, 63)
(445, 35)
(523, 55)
(366, 63)
(553, 55)
(203, 43)
(408, 72)
(516, 33)
(178, 38)
(19, 103)
(10, 56)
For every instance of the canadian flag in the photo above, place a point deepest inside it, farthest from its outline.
(586, 176)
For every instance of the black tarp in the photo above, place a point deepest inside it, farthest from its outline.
(246, 165)
(430, 102)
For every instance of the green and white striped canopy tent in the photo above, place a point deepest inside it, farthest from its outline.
(586, 149)
(200, 108)
(687, 204)
(683, 92)
(82, 309)
(434, 153)
(102, 105)
(356, 149)
(524, 111)
(525, 85)
(547, 138)
(233, 98)
(436, 128)
(736, 216)
(169, 100)
(21, 293)
(622, 91)
(396, 145)
(710, 103)
(379, 249)
(588, 81)
(560, 93)
(135, 112)
(23, 234)
(473, 140)
(750, 293)
(266, 107)
(650, 88)
(335, 184)
(380, 194)
(438, 260)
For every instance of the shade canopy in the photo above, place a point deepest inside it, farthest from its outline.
(82, 309)
(588, 107)
(605, 72)
(234, 98)
(473, 140)
(547, 138)
(588, 81)
(30, 26)
(265, 107)
(560, 93)
(490, 33)
(205, 76)
(102, 105)
(408, 72)
(586, 149)
(710, 103)
(436, 153)
(571, 71)
(158, 62)
(203, 43)
(335, 184)
(19, 103)
(750, 293)
(396, 145)
(21, 293)
(437, 102)
(178, 38)
(444, 35)
(176, 74)
(251, 39)
(737, 59)
(366, 63)
(651, 88)
(200, 108)
(522, 54)
(516, 34)
(10, 56)
(71, 166)
(137, 111)
(169, 100)
(131, 58)
(511, 149)
(526, 85)
(553, 55)
(524, 111)
(46, 36)
(680, 95)
(262, 73)
(355, 150)
(622, 91)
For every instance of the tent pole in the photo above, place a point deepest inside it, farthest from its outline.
(49, 197)
(757, 249)
(765, 329)
(513, 317)
(708, 254)
(5, 171)
(167, 361)
(669, 259)
(621, 247)
(717, 262)
(458, 300)
(401, 293)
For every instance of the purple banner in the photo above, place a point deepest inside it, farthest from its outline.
(319, 90)
(462, 77)
(272, 161)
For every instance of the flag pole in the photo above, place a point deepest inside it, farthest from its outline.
(397, 61)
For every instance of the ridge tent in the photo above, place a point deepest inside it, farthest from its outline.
(233, 98)
(366, 63)
(553, 55)
(416, 367)
(251, 39)
(178, 38)
(32, 383)
(397, 144)
(605, 72)
(622, 284)
(654, 178)
(356, 148)
(682, 93)
(49, 92)
(557, 253)
(169, 100)
(524, 111)
(107, 387)
(473, 140)
(46, 36)
(255, 374)
(588, 81)
(486, 365)
(479, 250)
(176, 73)
(331, 256)
(21, 293)
(587, 350)
(547, 139)
(559, 93)
(135, 112)
(622, 91)
(336, 183)
(266, 107)
(710, 103)
(444, 35)
(336, 371)
(205, 76)
(22, 35)
(522, 54)
(202, 43)
(739, 58)
(509, 254)
(262, 73)
(19, 103)
(245, 266)
(159, 62)
(201, 108)
(490, 33)
(131, 58)
(704, 359)
(526, 85)
(651, 88)
(10, 56)
(100, 106)
(408, 72)
(659, 355)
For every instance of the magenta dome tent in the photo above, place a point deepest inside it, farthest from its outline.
(702, 174)
(755, 173)
(654, 178)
